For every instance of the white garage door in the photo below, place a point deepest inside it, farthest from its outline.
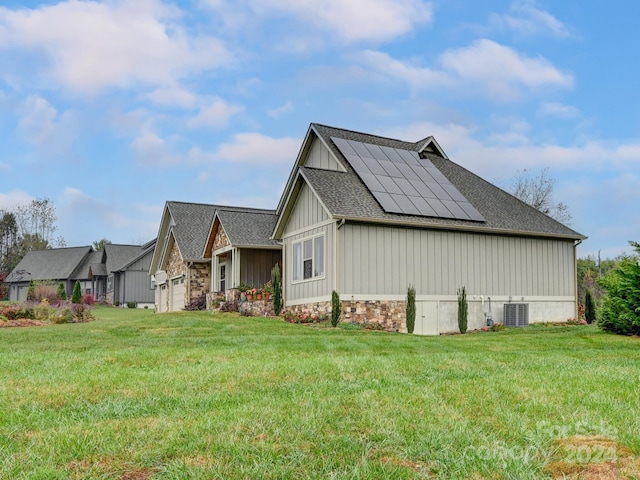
(162, 298)
(426, 318)
(177, 294)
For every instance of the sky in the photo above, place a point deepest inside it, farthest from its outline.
(112, 108)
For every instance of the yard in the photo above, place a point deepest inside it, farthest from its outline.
(134, 395)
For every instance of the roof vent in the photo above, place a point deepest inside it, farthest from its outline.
(516, 314)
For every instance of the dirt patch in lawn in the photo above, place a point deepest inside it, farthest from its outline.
(111, 467)
(584, 457)
(23, 322)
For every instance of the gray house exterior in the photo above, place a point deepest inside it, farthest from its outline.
(339, 234)
(59, 265)
(127, 280)
(241, 249)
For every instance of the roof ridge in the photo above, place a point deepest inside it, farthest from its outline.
(370, 134)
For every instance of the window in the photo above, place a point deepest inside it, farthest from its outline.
(110, 283)
(308, 259)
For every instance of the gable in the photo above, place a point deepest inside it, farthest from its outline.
(221, 240)
(320, 156)
(307, 210)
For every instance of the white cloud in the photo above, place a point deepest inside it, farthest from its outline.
(554, 109)
(173, 95)
(281, 110)
(92, 46)
(38, 123)
(525, 19)
(358, 20)
(253, 148)
(501, 72)
(215, 114)
(483, 68)
(14, 198)
(153, 151)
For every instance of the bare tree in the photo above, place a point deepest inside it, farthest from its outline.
(537, 191)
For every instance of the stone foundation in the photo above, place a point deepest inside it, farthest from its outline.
(257, 308)
(389, 314)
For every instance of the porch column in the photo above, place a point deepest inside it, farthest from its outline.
(215, 281)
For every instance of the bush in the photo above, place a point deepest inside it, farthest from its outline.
(88, 299)
(336, 311)
(589, 307)
(411, 309)
(496, 327)
(131, 304)
(463, 309)
(42, 310)
(26, 311)
(31, 290)
(62, 315)
(81, 312)
(276, 285)
(61, 292)
(230, 306)
(10, 312)
(44, 291)
(77, 293)
(199, 303)
(620, 310)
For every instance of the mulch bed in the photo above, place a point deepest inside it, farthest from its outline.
(23, 322)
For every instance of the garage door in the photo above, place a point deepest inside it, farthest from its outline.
(162, 298)
(426, 318)
(177, 294)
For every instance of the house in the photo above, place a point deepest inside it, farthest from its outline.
(127, 269)
(118, 274)
(196, 239)
(59, 265)
(368, 216)
(241, 249)
(178, 267)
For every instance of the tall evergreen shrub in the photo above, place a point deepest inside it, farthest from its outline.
(620, 309)
(411, 308)
(335, 308)
(62, 292)
(76, 297)
(276, 283)
(589, 307)
(31, 291)
(463, 309)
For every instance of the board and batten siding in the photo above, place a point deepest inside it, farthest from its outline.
(256, 265)
(320, 157)
(381, 260)
(307, 212)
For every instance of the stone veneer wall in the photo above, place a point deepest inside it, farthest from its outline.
(257, 308)
(221, 239)
(389, 313)
(199, 281)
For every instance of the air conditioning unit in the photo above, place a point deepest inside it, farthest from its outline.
(516, 314)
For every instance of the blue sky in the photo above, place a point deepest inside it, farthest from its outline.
(111, 108)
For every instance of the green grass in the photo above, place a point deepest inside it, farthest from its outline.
(135, 395)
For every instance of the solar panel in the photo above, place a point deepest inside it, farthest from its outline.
(402, 182)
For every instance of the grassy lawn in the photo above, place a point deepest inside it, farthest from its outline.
(134, 395)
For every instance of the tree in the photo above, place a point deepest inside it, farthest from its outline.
(31, 291)
(276, 284)
(76, 297)
(62, 292)
(99, 244)
(8, 241)
(589, 308)
(620, 309)
(411, 309)
(463, 309)
(336, 311)
(537, 191)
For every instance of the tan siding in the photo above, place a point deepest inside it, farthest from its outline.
(320, 157)
(380, 260)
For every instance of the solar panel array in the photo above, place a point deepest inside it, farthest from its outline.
(402, 182)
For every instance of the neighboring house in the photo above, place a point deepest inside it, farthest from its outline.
(59, 265)
(241, 249)
(368, 216)
(127, 268)
(178, 267)
(119, 274)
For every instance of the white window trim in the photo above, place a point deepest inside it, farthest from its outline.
(313, 250)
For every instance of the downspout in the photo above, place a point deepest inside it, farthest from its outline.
(575, 276)
(188, 280)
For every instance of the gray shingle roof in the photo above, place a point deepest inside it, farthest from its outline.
(248, 226)
(344, 194)
(53, 264)
(192, 222)
(118, 256)
(90, 262)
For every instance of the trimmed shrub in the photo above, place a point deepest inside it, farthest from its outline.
(276, 285)
(61, 292)
(411, 308)
(77, 293)
(131, 304)
(230, 306)
(589, 307)
(336, 311)
(199, 303)
(463, 309)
